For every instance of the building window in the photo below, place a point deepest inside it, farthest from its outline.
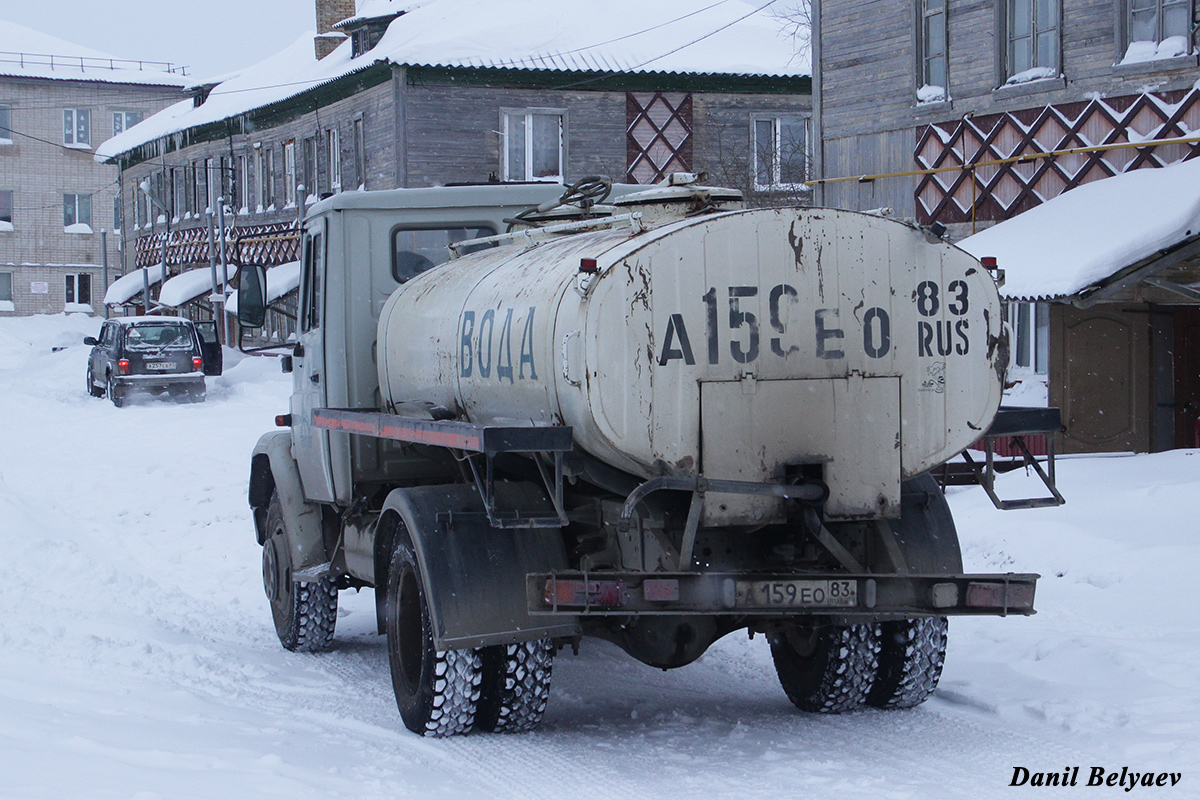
(213, 184)
(1030, 324)
(6, 210)
(117, 214)
(77, 127)
(265, 166)
(334, 149)
(124, 120)
(360, 154)
(311, 187)
(533, 145)
(6, 124)
(242, 185)
(79, 289)
(931, 48)
(1156, 29)
(1032, 40)
(6, 289)
(77, 213)
(780, 152)
(289, 174)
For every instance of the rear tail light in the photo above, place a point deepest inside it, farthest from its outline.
(197, 363)
(1006, 596)
(123, 365)
(569, 592)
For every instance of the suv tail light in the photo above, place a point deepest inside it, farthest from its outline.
(123, 365)
(197, 363)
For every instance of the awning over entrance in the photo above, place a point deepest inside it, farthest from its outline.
(187, 286)
(126, 287)
(1100, 238)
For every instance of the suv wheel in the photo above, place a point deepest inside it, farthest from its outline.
(117, 397)
(93, 389)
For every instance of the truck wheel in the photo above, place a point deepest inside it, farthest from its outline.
(93, 389)
(118, 399)
(827, 668)
(515, 687)
(305, 613)
(436, 690)
(911, 655)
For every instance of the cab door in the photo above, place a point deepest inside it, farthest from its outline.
(310, 444)
(210, 346)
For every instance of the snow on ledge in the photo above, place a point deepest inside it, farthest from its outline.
(78, 227)
(7, 305)
(6, 226)
(1031, 75)
(1140, 52)
(931, 93)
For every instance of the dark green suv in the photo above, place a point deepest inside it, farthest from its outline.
(153, 355)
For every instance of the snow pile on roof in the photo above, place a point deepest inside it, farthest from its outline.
(280, 280)
(374, 9)
(27, 53)
(187, 286)
(730, 37)
(125, 287)
(1093, 231)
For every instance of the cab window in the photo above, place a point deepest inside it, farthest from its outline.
(414, 250)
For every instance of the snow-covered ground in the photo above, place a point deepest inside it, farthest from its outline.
(138, 659)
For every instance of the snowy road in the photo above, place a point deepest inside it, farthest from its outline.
(138, 660)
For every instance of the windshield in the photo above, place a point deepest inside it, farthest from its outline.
(158, 336)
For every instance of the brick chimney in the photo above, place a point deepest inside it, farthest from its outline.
(328, 13)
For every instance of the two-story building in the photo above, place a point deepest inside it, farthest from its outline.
(411, 94)
(57, 102)
(967, 113)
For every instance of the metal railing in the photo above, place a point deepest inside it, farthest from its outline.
(86, 62)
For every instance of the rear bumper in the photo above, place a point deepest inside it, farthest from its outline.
(781, 594)
(192, 381)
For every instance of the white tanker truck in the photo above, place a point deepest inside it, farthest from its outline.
(656, 420)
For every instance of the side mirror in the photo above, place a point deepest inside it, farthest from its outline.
(252, 296)
(285, 363)
(90, 340)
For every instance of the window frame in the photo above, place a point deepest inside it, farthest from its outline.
(924, 59)
(360, 151)
(75, 115)
(10, 195)
(121, 123)
(1030, 326)
(1005, 42)
(777, 183)
(289, 174)
(527, 116)
(333, 149)
(11, 287)
(77, 209)
(6, 132)
(1124, 33)
(75, 286)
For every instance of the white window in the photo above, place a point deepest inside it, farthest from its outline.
(289, 174)
(312, 189)
(77, 213)
(213, 180)
(360, 154)
(79, 289)
(1157, 29)
(931, 43)
(77, 127)
(533, 145)
(1030, 324)
(6, 290)
(334, 150)
(6, 124)
(780, 152)
(1032, 41)
(243, 185)
(124, 120)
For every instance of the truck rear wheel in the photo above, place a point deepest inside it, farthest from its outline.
(827, 668)
(515, 687)
(437, 691)
(911, 654)
(305, 614)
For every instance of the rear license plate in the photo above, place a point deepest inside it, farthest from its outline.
(797, 594)
(160, 365)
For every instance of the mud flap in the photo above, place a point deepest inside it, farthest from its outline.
(303, 519)
(475, 574)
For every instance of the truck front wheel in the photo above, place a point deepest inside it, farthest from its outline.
(516, 686)
(305, 613)
(826, 668)
(437, 691)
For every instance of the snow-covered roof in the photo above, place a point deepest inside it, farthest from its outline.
(26, 53)
(187, 286)
(375, 9)
(729, 37)
(280, 280)
(1093, 231)
(125, 287)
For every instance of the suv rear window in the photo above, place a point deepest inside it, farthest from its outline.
(147, 336)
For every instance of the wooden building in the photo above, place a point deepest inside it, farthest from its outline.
(968, 114)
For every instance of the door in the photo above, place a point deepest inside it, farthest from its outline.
(1187, 376)
(210, 346)
(310, 445)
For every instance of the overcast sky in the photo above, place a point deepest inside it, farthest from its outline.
(208, 36)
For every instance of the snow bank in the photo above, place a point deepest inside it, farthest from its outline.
(1087, 234)
(139, 658)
